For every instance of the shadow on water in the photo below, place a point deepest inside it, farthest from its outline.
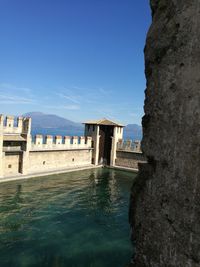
(76, 219)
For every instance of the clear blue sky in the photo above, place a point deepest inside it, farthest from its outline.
(80, 59)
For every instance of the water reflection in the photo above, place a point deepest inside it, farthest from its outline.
(74, 219)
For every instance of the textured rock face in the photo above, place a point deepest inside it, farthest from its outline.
(165, 199)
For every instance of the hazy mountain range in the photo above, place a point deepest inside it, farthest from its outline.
(133, 131)
(52, 124)
(42, 120)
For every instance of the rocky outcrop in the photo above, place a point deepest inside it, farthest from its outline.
(165, 198)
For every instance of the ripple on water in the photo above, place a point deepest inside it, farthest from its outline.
(74, 219)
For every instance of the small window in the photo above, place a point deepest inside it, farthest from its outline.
(93, 128)
(9, 125)
(73, 159)
(44, 162)
(9, 166)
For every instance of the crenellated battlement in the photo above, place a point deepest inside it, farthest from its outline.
(58, 142)
(9, 125)
(21, 153)
(129, 145)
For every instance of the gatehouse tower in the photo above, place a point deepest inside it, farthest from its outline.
(105, 135)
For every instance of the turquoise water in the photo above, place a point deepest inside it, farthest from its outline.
(77, 219)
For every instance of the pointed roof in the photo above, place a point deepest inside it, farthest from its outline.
(104, 121)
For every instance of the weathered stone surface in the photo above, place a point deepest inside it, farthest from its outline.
(129, 159)
(165, 199)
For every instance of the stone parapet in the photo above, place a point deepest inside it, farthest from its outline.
(20, 125)
(67, 142)
(129, 145)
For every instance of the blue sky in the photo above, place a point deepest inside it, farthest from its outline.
(80, 59)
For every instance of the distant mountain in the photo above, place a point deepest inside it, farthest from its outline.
(41, 120)
(55, 125)
(133, 131)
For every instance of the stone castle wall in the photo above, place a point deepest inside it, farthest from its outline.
(22, 154)
(129, 159)
(165, 198)
(48, 153)
(61, 143)
(19, 154)
(129, 154)
(41, 161)
(11, 164)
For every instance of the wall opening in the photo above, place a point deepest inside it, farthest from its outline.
(105, 144)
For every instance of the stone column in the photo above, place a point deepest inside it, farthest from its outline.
(114, 148)
(96, 148)
(25, 155)
(26, 133)
(165, 198)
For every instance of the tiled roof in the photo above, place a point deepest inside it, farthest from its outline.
(104, 121)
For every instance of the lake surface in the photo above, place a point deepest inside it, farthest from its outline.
(78, 219)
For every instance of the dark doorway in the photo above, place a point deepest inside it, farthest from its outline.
(20, 162)
(105, 144)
